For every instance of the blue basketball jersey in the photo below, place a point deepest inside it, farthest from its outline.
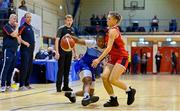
(85, 62)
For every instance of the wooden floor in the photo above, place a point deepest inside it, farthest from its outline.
(154, 93)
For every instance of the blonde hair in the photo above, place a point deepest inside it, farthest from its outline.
(115, 15)
(12, 15)
(68, 16)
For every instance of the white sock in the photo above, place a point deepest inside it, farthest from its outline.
(73, 94)
(86, 94)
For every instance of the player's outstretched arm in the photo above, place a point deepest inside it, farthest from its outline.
(79, 41)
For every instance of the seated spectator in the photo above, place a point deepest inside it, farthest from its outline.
(155, 24)
(173, 25)
(141, 29)
(93, 20)
(135, 26)
(23, 5)
(11, 10)
(41, 54)
(104, 21)
(97, 20)
(51, 53)
(129, 29)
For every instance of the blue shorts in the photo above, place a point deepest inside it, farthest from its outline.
(80, 66)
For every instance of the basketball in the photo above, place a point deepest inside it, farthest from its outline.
(67, 43)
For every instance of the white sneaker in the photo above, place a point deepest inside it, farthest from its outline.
(3, 89)
(23, 88)
(10, 89)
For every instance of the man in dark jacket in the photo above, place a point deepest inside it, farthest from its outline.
(64, 58)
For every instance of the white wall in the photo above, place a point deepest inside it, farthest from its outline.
(164, 9)
(49, 12)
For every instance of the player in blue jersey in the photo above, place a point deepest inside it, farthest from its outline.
(85, 71)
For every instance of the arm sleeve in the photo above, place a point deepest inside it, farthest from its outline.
(7, 29)
(91, 43)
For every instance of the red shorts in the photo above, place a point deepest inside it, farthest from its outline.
(123, 61)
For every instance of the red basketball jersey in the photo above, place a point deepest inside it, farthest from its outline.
(118, 48)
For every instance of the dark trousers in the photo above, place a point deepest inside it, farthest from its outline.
(64, 64)
(174, 68)
(158, 66)
(154, 27)
(128, 70)
(144, 68)
(26, 65)
(135, 68)
(9, 62)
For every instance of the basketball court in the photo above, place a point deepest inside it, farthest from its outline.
(153, 93)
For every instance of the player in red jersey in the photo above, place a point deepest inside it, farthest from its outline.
(117, 62)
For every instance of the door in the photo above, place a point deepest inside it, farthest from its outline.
(166, 58)
(140, 51)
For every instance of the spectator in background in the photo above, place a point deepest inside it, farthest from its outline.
(174, 62)
(41, 54)
(128, 70)
(104, 21)
(173, 25)
(135, 62)
(23, 5)
(98, 22)
(135, 26)
(51, 52)
(93, 20)
(11, 9)
(155, 24)
(158, 58)
(144, 60)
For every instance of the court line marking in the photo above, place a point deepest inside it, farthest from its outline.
(38, 92)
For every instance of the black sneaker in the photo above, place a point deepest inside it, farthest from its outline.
(86, 101)
(131, 96)
(58, 89)
(112, 102)
(66, 89)
(94, 99)
(71, 97)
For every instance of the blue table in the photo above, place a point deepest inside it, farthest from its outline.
(51, 67)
